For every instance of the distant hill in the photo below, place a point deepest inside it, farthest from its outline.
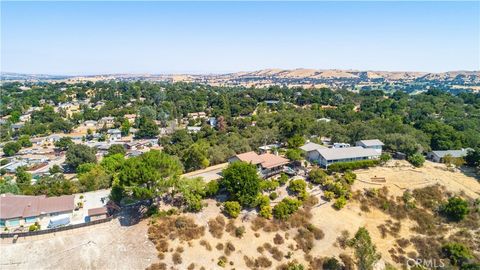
(333, 78)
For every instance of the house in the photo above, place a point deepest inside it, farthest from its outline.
(130, 118)
(19, 210)
(371, 144)
(267, 164)
(108, 121)
(97, 213)
(212, 121)
(310, 150)
(90, 123)
(437, 156)
(197, 115)
(329, 156)
(114, 134)
(193, 129)
(269, 148)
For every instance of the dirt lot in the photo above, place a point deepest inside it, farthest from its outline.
(104, 246)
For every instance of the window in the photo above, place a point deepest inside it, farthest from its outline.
(30, 219)
(14, 222)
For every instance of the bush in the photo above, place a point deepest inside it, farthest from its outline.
(285, 208)
(239, 231)
(317, 176)
(455, 209)
(211, 189)
(384, 157)
(457, 253)
(349, 177)
(34, 227)
(297, 186)
(273, 196)
(416, 160)
(269, 185)
(265, 212)
(340, 203)
(354, 165)
(262, 200)
(283, 179)
(328, 195)
(232, 208)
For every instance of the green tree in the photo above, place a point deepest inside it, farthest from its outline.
(455, 209)
(55, 169)
(473, 158)
(317, 176)
(64, 143)
(11, 148)
(294, 154)
(365, 250)
(23, 177)
(94, 179)
(78, 154)
(112, 163)
(416, 160)
(125, 128)
(457, 253)
(147, 128)
(242, 182)
(116, 149)
(24, 141)
(195, 157)
(296, 141)
(7, 186)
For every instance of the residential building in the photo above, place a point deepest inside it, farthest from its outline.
(371, 144)
(19, 210)
(328, 156)
(97, 213)
(341, 145)
(114, 134)
(437, 156)
(193, 129)
(267, 164)
(108, 121)
(197, 115)
(310, 150)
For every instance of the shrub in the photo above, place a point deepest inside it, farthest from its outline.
(177, 258)
(216, 226)
(283, 179)
(273, 196)
(455, 209)
(297, 185)
(317, 176)
(262, 200)
(384, 157)
(340, 203)
(354, 165)
(328, 195)
(222, 261)
(240, 231)
(285, 208)
(457, 253)
(349, 177)
(278, 239)
(416, 160)
(232, 208)
(265, 212)
(211, 189)
(332, 264)
(269, 185)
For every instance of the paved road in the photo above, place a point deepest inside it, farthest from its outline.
(208, 174)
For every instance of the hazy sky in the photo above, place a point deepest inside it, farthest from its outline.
(214, 37)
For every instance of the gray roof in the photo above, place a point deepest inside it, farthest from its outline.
(348, 152)
(311, 146)
(373, 142)
(453, 153)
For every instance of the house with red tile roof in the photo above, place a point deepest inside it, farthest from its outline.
(267, 164)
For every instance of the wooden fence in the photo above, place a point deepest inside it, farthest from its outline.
(54, 230)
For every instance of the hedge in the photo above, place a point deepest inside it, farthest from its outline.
(354, 165)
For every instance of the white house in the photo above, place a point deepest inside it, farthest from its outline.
(114, 134)
(371, 144)
(328, 156)
(310, 150)
(437, 156)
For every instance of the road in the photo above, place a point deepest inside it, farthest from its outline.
(208, 174)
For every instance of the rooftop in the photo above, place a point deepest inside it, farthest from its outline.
(453, 153)
(345, 153)
(18, 206)
(311, 146)
(266, 160)
(373, 142)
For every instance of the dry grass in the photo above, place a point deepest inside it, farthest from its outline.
(157, 266)
(176, 258)
(219, 246)
(206, 245)
(278, 239)
(229, 248)
(170, 228)
(216, 226)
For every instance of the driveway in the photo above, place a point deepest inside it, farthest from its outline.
(208, 174)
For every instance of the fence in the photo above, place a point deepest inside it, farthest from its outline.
(54, 230)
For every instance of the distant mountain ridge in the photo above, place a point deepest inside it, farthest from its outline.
(335, 78)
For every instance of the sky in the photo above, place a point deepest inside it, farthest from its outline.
(80, 38)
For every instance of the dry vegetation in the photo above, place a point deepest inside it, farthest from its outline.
(402, 223)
